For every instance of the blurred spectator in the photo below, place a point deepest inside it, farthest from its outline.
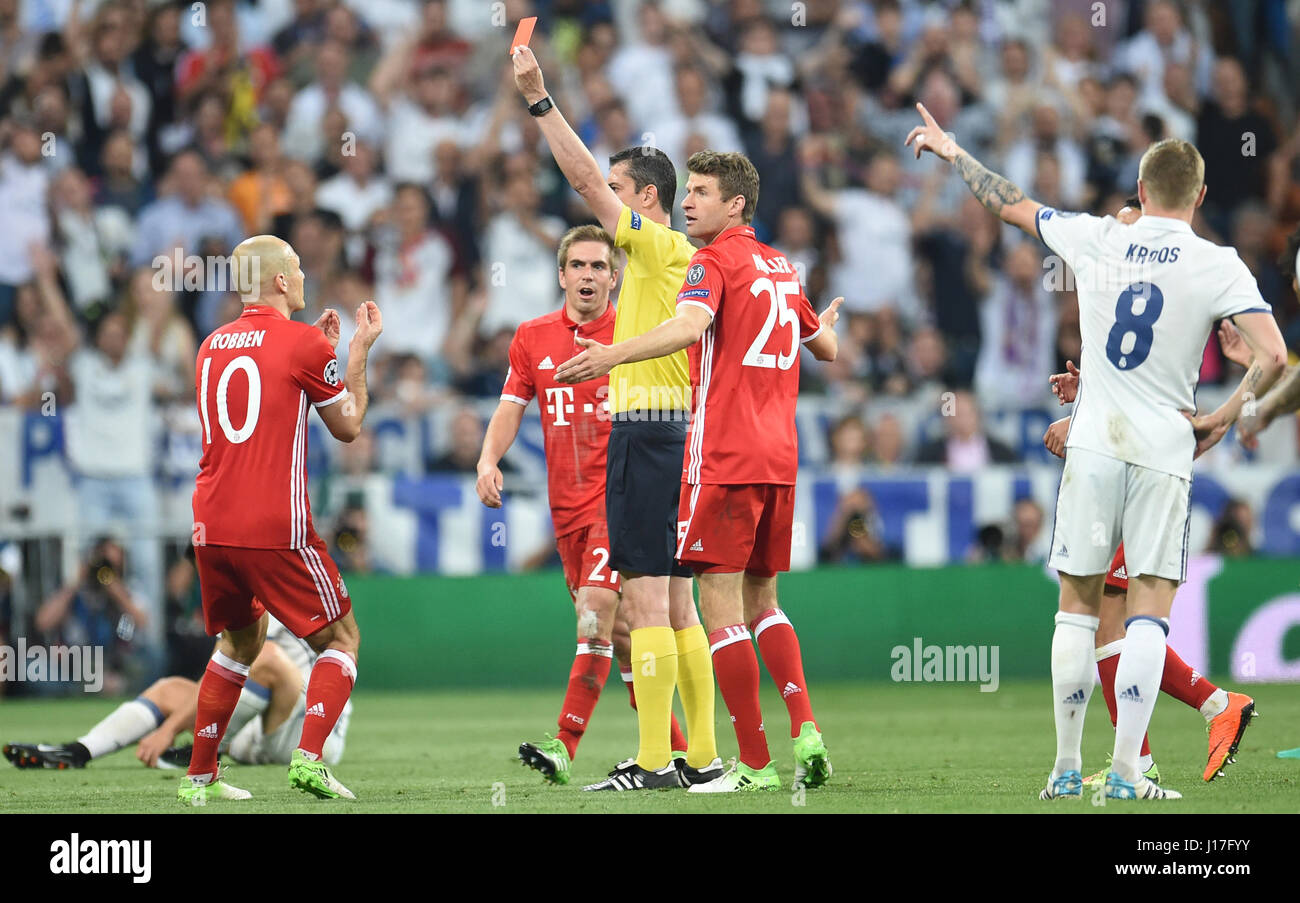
(855, 532)
(641, 70)
(455, 196)
(260, 193)
(414, 282)
(420, 115)
(227, 68)
(519, 253)
(465, 441)
(111, 448)
(875, 267)
(24, 219)
(694, 117)
(1163, 39)
(87, 259)
(154, 62)
(188, 645)
(966, 448)
(772, 149)
(888, 445)
(36, 344)
(160, 335)
(349, 546)
(1029, 540)
(185, 216)
(1017, 327)
(1047, 135)
(1230, 534)
(1236, 143)
(305, 134)
(114, 98)
(357, 193)
(850, 443)
(122, 183)
(97, 609)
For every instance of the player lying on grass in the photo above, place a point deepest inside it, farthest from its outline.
(743, 315)
(649, 403)
(1133, 438)
(1227, 714)
(576, 425)
(263, 730)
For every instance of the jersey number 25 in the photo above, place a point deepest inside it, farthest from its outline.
(779, 313)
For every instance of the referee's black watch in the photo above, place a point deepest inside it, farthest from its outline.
(542, 107)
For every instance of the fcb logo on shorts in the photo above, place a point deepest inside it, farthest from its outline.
(695, 274)
(332, 372)
(343, 590)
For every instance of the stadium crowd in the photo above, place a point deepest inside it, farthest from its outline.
(141, 139)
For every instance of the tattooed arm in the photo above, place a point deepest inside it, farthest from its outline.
(995, 192)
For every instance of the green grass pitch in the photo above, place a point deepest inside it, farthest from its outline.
(895, 748)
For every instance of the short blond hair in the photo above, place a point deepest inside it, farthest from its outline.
(1173, 172)
(586, 232)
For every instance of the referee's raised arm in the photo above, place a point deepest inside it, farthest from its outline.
(575, 161)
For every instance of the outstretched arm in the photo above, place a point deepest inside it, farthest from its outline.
(1268, 352)
(671, 335)
(995, 192)
(572, 156)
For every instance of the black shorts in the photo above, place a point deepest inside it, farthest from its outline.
(642, 487)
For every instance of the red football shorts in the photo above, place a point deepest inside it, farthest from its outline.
(727, 529)
(585, 554)
(1117, 576)
(301, 587)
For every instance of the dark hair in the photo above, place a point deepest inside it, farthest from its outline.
(648, 165)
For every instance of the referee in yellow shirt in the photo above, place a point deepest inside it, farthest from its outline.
(650, 404)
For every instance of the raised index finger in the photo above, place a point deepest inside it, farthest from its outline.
(925, 114)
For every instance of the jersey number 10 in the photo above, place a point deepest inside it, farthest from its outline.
(236, 436)
(779, 313)
(1138, 325)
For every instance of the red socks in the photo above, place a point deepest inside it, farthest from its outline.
(218, 693)
(1182, 682)
(678, 739)
(328, 690)
(736, 669)
(586, 678)
(779, 647)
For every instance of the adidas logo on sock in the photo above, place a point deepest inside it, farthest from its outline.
(1075, 698)
(546, 364)
(317, 709)
(698, 547)
(1196, 675)
(790, 688)
(209, 732)
(1130, 695)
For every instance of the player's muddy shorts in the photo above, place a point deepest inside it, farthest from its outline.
(642, 486)
(1104, 501)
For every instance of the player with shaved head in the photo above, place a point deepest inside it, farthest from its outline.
(255, 378)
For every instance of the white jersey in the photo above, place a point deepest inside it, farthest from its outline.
(1149, 295)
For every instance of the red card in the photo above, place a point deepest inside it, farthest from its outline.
(523, 34)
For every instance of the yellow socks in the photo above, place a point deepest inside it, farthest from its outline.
(654, 677)
(695, 686)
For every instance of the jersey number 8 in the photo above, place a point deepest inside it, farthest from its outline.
(779, 313)
(1138, 325)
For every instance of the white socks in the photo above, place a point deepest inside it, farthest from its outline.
(125, 725)
(1215, 705)
(254, 699)
(1073, 675)
(1137, 684)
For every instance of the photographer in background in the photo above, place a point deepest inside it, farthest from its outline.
(856, 532)
(97, 609)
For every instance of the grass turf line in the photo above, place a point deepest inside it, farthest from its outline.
(895, 748)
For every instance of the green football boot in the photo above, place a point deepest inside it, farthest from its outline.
(812, 766)
(740, 777)
(315, 778)
(549, 756)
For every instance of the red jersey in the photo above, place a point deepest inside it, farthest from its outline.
(746, 366)
(575, 418)
(255, 379)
